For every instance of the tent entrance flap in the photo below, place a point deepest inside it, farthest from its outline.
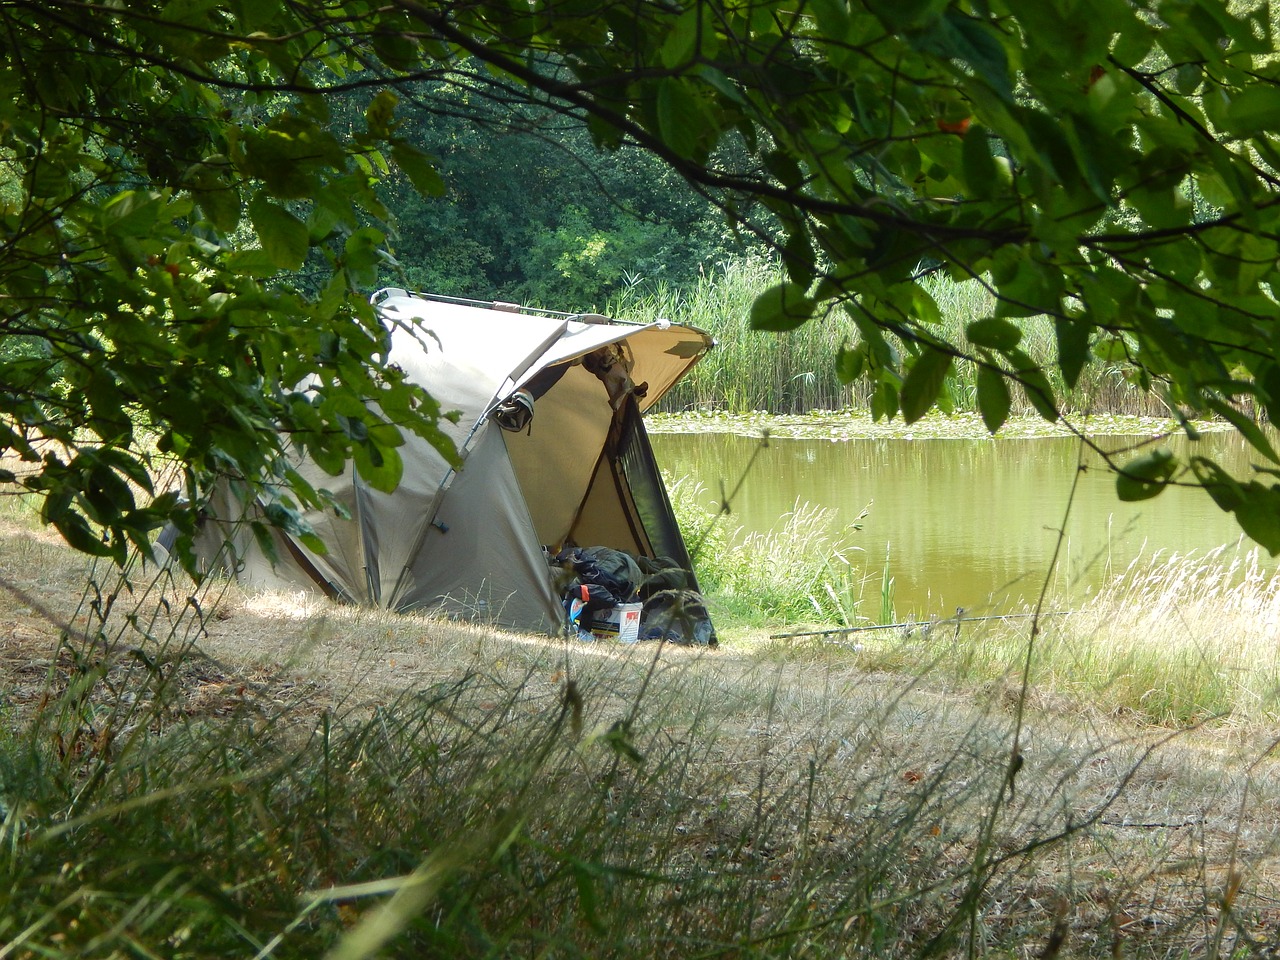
(627, 506)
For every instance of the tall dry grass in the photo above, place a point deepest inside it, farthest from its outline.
(1174, 640)
(195, 772)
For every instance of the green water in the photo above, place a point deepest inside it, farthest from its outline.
(965, 523)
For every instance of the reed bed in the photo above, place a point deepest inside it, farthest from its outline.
(795, 372)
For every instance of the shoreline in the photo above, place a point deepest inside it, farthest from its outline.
(842, 425)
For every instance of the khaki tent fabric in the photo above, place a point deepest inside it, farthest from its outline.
(473, 543)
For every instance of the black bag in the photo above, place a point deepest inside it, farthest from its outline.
(677, 616)
(613, 569)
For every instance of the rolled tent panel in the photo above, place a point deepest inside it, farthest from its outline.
(648, 493)
(481, 558)
(662, 353)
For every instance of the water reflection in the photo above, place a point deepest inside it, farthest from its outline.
(965, 523)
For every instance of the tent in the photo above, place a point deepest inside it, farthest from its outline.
(475, 542)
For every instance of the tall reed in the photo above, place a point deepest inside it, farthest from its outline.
(795, 372)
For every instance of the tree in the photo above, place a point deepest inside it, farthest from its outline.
(1108, 163)
(533, 213)
(186, 242)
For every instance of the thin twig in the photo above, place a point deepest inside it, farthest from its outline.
(836, 631)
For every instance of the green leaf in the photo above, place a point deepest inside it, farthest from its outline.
(417, 166)
(681, 43)
(993, 332)
(398, 48)
(907, 13)
(75, 529)
(1073, 347)
(994, 400)
(1035, 385)
(251, 263)
(107, 494)
(362, 260)
(380, 113)
(1256, 506)
(957, 36)
(284, 237)
(979, 167)
(1254, 110)
(1258, 514)
(782, 307)
(265, 540)
(884, 402)
(1147, 476)
(798, 257)
(215, 193)
(850, 362)
(1036, 388)
(1248, 427)
(1033, 288)
(132, 214)
(129, 465)
(1111, 350)
(832, 16)
(381, 467)
(923, 382)
(681, 121)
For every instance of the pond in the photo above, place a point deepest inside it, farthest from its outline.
(966, 523)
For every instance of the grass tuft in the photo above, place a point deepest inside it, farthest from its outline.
(802, 572)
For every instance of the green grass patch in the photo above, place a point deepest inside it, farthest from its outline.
(804, 571)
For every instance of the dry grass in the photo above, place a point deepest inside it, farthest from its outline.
(791, 801)
(1175, 640)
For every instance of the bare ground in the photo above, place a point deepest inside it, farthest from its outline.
(1167, 825)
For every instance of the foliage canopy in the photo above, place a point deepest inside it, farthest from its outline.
(189, 233)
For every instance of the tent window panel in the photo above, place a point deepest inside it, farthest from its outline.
(640, 473)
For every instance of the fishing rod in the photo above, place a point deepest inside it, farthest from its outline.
(957, 620)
